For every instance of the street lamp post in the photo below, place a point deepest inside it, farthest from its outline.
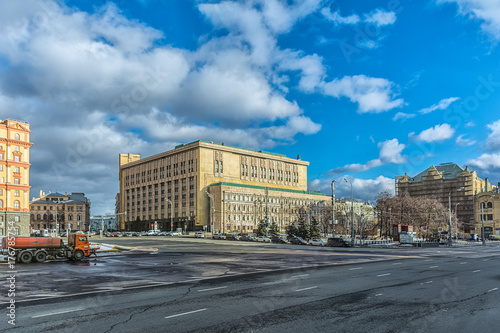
(333, 208)
(352, 212)
(213, 213)
(456, 224)
(171, 214)
(450, 241)
(482, 224)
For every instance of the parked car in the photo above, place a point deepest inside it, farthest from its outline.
(338, 241)
(174, 233)
(297, 241)
(317, 242)
(217, 236)
(263, 239)
(278, 240)
(232, 237)
(246, 238)
(199, 234)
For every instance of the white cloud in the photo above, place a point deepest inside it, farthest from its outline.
(464, 142)
(373, 95)
(403, 116)
(489, 163)
(437, 133)
(338, 19)
(486, 11)
(441, 105)
(390, 152)
(493, 140)
(380, 17)
(362, 189)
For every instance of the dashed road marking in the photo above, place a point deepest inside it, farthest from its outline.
(212, 288)
(384, 274)
(185, 313)
(355, 268)
(307, 288)
(433, 266)
(56, 313)
(492, 290)
(478, 270)
(299, 276)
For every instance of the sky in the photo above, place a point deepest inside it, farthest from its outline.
(363, 90)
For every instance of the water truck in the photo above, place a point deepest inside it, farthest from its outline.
(39, 249)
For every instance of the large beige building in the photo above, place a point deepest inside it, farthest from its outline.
(14, 177)
(57, 211)
(203, 183)
(448, 181)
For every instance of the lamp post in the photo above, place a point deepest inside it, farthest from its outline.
(333, 208)
(213, 212)
(456, 224)
(171, 215)
(482, 224)
(352, 212)
(450, 242)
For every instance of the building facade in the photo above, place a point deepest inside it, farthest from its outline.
(103, 222)
(447, 182)
(56, 211)
(181, 188)
(488, 211)
(14, 178)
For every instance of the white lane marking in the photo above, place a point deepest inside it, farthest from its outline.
(56, 313)
(486, 259)
(298, 276)
(185, 313)
(397, 263)
(378, 295)
(262, 269)
(476, 271)
(212, 289)
(492, 289)
(352, 269)
(433, 266)
(427, 282)
(463, 263)
(306, 288)
(384, 274)
(428, 260)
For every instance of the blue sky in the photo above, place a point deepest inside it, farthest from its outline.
(365, 90)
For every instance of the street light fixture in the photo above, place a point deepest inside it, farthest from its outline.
(456, 224)
(352, 212)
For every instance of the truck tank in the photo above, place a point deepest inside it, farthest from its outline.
(33, 243)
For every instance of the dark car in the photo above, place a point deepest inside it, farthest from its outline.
(338, 241)
(246, 238)
(278, 240)
(231, 237)
(297, 241)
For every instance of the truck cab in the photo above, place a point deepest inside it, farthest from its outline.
(80, 245)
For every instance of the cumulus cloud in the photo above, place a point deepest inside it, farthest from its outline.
(390, 152)
(485, 11)
(380, 17)
(493, 140)
(489, 163)
(441, 105)
(437, 133)
(464, 142)
(362, 189)
(373, 95)
(338, 19)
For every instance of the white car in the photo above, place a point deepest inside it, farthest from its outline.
(317, 242)
(199, 234)
(263, 239)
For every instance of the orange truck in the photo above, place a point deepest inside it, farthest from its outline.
(39, 249)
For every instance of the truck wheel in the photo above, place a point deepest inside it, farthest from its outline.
(78, 255)
(25, 257)
(40, 256)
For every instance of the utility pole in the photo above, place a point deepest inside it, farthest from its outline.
(450, 241)
(333, 208)
(352, 212)
(171, 214)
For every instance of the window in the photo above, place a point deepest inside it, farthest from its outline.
(16, 148)
(17, 137)
(17, 169)
(16, 159)
(16, 193)
(1, 156)
(16, 204)
(489, 205)
(16, 181)
(1, 203)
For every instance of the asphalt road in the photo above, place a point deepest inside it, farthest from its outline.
(193, 285)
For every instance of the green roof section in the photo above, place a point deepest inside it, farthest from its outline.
(447, 170)
(223, 145)
(270, 188)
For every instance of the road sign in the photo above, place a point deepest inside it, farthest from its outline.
(440, 229)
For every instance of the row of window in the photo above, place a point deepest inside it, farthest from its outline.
(279, 175)
(17, 158)
(164, 172)
(51, 217)
(487, 206)
(17, 204)
(69, 208)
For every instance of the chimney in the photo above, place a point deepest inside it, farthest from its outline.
(40, 194)
(298, 157)
(486, 185)
(66, 193)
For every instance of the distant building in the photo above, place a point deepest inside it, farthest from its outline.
(444, 181)
(244, 186)
(60, 211)
(104, 222)
(488, 210)
(14, 178)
